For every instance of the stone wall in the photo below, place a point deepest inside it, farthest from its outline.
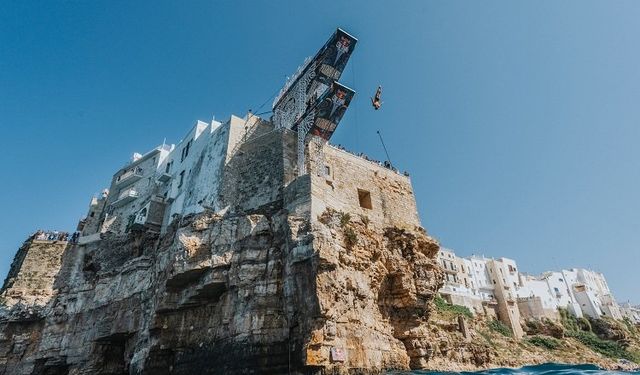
(532, 308)
(31, 277)
(473, 304)
(507, 307)
(392, 202)
(254, 176)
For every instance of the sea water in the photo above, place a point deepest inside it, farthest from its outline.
(546, 369)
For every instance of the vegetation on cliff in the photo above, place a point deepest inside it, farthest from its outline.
(605, 336)
(445, 307)
(488, 343)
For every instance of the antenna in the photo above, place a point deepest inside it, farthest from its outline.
(385, 148)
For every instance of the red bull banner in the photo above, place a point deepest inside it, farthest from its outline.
(333, 57)
(327, 111)
(313, 80)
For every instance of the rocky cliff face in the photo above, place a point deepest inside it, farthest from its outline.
(269, 292)
(271, 287)
(461, 343)
(32, 273)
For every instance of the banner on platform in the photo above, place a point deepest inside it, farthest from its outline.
(328, 111)
(313, 80)
(333, 57)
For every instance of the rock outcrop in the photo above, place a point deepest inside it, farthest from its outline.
(480, 345)
(294, 276)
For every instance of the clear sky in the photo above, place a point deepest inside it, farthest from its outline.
(518, 121)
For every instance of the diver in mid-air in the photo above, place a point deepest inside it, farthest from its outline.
(376, 101)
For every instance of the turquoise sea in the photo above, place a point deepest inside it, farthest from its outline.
(546, 369)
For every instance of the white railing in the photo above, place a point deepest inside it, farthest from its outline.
(129, 193)
(130, 175)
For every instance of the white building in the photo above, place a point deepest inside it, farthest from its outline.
(483, 285)
(460, 284)
(504, 276)
(535, 299)
(170, 181)
(560, 286)
(630, 312)
(479, 281)
(596, 298)
(132, 188)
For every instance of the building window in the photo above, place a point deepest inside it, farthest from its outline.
(92, 214)
(168, 168)
(327, 170)
(365, 199)
(185, 151)
(181, 179)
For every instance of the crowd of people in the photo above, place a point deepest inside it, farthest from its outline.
(42, 235)
(385, 164)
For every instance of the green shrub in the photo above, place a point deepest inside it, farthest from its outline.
(498, 326)
(583, 324)
(607, 348)
(350, 237)
(443, 306)
(544, 342)
(630, 327)
(568, 321)
(345, 219)
(573, 324)
(365, 220)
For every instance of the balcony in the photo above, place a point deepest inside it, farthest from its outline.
(129, 177)
(125, 197)
(164, 177)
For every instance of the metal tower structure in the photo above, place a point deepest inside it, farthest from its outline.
(312, 102)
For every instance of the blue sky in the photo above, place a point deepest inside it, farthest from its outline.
(518, 121)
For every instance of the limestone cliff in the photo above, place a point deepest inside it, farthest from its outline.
(294, 276)
(225, 294)
(462, 343)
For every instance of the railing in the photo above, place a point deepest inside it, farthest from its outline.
(125, 197)
(128, 194)
(130, 176)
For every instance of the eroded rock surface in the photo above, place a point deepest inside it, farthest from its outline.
(224, 294)
(295, 275)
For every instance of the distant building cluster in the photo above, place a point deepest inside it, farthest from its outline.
(496, 287)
